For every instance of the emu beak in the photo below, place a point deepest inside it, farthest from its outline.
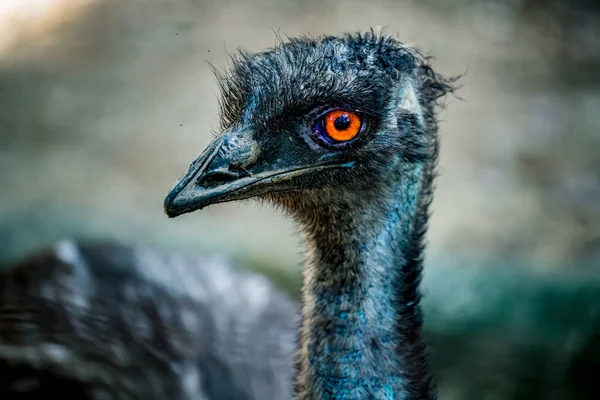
(228, 170)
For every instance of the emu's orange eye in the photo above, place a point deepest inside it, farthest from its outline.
(341, 125)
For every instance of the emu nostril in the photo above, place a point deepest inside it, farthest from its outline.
(220, 176)
(213, 179)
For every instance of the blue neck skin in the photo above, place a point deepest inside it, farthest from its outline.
(361, 335)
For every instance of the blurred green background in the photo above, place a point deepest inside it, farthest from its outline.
(103, 104)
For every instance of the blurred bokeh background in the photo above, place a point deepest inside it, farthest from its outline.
(103, 104)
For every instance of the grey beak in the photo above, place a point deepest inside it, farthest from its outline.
(229, 169)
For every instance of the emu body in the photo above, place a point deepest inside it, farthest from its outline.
(136, 323)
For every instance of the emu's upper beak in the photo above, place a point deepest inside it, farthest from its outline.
(230, 169)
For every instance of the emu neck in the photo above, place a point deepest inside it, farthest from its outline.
(361, 334)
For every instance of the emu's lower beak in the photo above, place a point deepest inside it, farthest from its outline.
(229, 169)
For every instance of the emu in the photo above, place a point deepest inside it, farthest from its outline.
(341, 133)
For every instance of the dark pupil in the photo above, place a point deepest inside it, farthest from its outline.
(342, 122)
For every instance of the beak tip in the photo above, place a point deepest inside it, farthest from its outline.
(172, 213)
(168, 211)
(174, 206)
(169, 207)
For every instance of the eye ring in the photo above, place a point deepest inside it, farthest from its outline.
(339, 126)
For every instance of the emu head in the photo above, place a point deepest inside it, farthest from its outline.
(317, 123)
